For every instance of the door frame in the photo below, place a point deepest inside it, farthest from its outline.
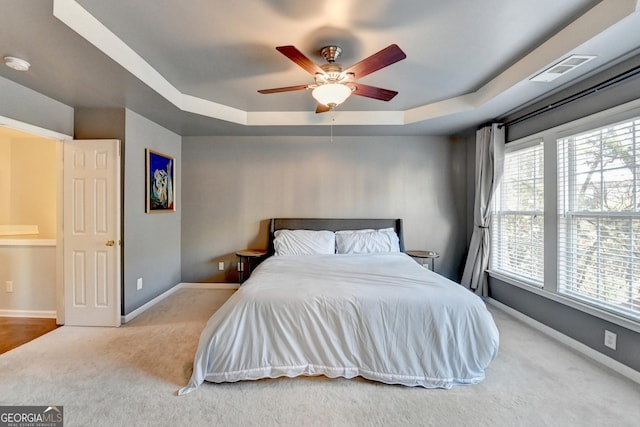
(60, 231)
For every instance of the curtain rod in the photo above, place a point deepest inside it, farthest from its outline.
(593, 89)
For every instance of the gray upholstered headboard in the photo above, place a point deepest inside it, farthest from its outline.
(333, 224)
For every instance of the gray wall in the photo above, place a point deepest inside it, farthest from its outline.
(151, 242)
(99, 123)
(25, 105)
(233, 185)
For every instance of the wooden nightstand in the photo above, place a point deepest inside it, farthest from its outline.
(422, 255)
(248, 258)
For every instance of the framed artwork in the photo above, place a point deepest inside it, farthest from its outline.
(160, 182)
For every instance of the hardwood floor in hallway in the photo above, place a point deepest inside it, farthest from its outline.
(15, 331)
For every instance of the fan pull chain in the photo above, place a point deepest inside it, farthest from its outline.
(333, 119)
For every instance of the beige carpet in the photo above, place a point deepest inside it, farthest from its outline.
(129, 377)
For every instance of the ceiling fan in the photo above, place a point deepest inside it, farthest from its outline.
(333, 84)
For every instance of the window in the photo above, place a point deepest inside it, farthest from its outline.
(599, 217)
(518, 216)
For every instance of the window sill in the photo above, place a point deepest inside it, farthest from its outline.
(575, 304)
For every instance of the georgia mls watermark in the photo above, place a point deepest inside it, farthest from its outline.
(31, 416)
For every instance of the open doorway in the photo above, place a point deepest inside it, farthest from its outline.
(28, 234)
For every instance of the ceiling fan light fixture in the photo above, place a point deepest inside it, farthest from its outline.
(331, 94)
(333, 84)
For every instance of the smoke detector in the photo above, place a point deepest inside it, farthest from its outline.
(561, 68)
(16, 63)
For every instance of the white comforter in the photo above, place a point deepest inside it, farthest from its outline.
(378, 316)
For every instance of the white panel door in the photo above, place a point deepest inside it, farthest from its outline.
(92, 232)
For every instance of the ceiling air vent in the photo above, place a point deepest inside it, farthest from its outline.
(561, 68)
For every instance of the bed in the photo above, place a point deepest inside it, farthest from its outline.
(354, 306)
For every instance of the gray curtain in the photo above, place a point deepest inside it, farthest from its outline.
(489, 167)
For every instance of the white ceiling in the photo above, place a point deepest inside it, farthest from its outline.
(195, 66)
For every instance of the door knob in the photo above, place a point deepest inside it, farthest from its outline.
(110, 243)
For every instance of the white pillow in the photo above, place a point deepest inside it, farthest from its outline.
(304, 242)
(367, 241)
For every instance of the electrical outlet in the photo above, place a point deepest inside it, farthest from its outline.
(139, 283)
(610, 339)
(221, 265)
(9, 286)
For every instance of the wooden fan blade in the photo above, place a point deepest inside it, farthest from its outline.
(298, 57)
(321, 108)
(283, 89)
(387, 56)
(374, 92)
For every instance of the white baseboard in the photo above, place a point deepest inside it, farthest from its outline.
(42, 314)
(620, 368)
(230, 286)
(138, 311)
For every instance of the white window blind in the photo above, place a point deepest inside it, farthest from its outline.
(517, 230)
(599, 217)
